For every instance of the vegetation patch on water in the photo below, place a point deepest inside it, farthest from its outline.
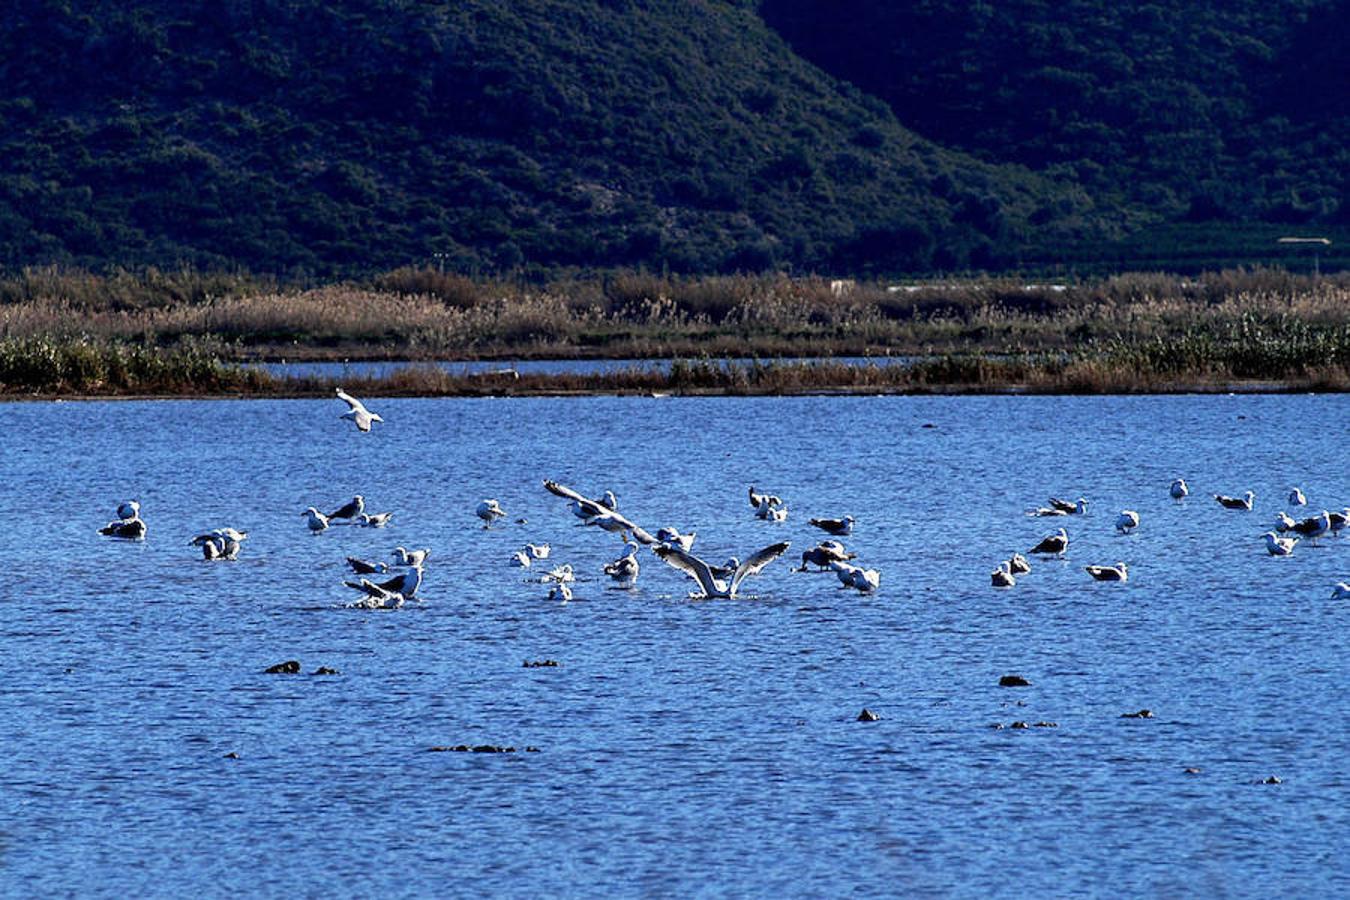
(188, 332)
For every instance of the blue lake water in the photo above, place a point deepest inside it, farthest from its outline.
(685, 747)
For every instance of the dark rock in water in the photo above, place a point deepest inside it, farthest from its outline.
(478, 748)
(1013, 681)
(324, 670)
(289, 667)
(1019, 725)
(1142, 714)
(929, 425)
(1191, 770)
(867, 715)
(540, 664)
(231, 755)
(997, 726)
(1274, 779)
(1047, 724)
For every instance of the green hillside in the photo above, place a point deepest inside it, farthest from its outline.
(310, 138)
(319, 138)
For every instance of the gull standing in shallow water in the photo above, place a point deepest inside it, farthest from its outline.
(405, 557)
(700, 571)
(378, 520)
(357, 411)
(625, 569)
(1127, 521)
(220, 543)
(349, 510)
(490, 511)
(839, 527)
(1002, 576)
(1296, 498)
(132, 529)
(1018, 565)
(317, 520)
(1178, 490)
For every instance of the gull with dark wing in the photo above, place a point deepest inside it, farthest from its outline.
(1002, 577)
(1054, 544)
(132, 529)
(1341, 591)
(601, 516)
(1076, 508)
(673, 537)
(1178, 489)
(625, 569)
(1109, 573)
(1244, 502)
(726, 569)
(1296, 497)
(357, 411)
(583, 512)
(700, 571)
(1018, 565)
(757, 499)
(1313, 527)
(349, 510)
(1127, 521)
(838, 527)
(773, 512)
(1338, 520)
(405, 583)
(823, 554)
(361, 567)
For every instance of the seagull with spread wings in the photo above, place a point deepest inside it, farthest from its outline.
(701, 572)
(357, 411)
(600, 515)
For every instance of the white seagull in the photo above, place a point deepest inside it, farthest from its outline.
(1178, 490)
(1002, 576)
(1127, 521)
(378, 520)
(317, 520)
(700, 571)
(1018, 565)
(405, 557)
(539, 551)
(1279, 546)
(1296, 498)
(521, 559)
(490, 511)
(357, 411)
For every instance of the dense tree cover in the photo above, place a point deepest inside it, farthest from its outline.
(1209, 111)
(312, 138)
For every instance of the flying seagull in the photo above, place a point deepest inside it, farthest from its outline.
(601, 516)
(357, 411)
(700, 571)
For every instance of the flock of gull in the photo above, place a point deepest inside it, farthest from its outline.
(384, 585)
(388, 585)
(1288, 531)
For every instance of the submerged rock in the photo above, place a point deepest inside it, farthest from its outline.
(1142, 714)
(289, 667)
(1013, 681)
(325, 670)
(867, 715)
(540, 664)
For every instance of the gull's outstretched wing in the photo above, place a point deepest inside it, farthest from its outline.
(756, 563)
(690, 565)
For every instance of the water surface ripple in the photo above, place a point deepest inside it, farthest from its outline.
(685, 748)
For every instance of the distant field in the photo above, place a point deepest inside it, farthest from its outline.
(75, 332)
